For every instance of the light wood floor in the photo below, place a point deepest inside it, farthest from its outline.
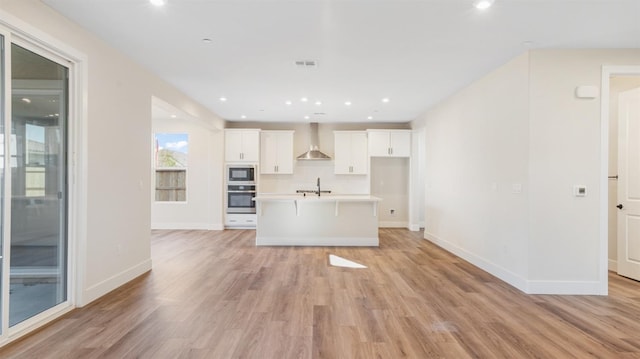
(215, 295)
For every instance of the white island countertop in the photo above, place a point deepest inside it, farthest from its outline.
(312, 220)
(315, 197)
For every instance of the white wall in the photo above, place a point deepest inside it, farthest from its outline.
(523, 125)
(565, 248)
(476, 149)
(114, 247)
(417, 200)
(390, 181)
(618, 84)
(202, 209)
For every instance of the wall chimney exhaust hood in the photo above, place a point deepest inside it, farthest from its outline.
(314, 153)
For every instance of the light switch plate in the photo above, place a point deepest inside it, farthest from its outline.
(579, 190)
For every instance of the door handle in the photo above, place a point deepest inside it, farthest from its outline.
(620, 206)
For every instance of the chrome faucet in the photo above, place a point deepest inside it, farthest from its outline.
(318, 186)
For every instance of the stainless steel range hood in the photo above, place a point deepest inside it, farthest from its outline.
(314, 153)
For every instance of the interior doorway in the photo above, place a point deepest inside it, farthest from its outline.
(619, 80)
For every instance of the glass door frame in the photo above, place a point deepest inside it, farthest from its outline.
(73, 139)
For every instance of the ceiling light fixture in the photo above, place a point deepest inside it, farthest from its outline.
(207, 40)
(385, 100)
(26, 100)
(369, 117)
(243, 117)
(174, 116)
(483, 4)
(304, 99)
(347, 103)
(306, 117)
(318, 103)
(288, 103)
(223, 99)
(158, 2)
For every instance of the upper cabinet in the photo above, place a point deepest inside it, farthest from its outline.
(350, 152)
(389, 143)
(241, 145)
(276, 152)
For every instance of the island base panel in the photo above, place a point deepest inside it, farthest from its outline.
(316, 224)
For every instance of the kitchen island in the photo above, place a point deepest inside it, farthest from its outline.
(327, 220)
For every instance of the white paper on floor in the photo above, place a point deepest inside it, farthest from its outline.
(341, 262)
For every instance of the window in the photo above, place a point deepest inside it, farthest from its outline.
(171, 166)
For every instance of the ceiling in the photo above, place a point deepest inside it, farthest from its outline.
(413, 52)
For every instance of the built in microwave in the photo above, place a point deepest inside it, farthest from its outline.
(241, 174)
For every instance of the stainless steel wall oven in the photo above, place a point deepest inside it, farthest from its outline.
(240, 199)
(241, 189)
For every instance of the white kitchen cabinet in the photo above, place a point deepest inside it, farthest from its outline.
(389, 143)
(241, 145)
(276, 152)
(236, 220)
(350, 153)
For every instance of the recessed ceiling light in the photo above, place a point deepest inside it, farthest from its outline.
(347, 103)
(318, 103)
(26, 100)
(223, 99)
(173, 116)
(306, 117)
(385, 100)
(243, 117)
(288, 103)
(304, 99)
(483, 4)
(158, 2)
(369, 117)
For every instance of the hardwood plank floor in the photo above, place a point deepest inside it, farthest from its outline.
(213, 294)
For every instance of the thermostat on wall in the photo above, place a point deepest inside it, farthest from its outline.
(579, 190)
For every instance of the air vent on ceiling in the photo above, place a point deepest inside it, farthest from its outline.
(306, 63)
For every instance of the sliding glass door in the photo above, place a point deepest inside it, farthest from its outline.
(3, 112)
(38, 180)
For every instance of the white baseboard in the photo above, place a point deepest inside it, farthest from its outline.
(188, 226)
(613, 265)
(564, 287)
(526, 286)
(414, 227)
(393, 224)
(489, 267)
(98, 290)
